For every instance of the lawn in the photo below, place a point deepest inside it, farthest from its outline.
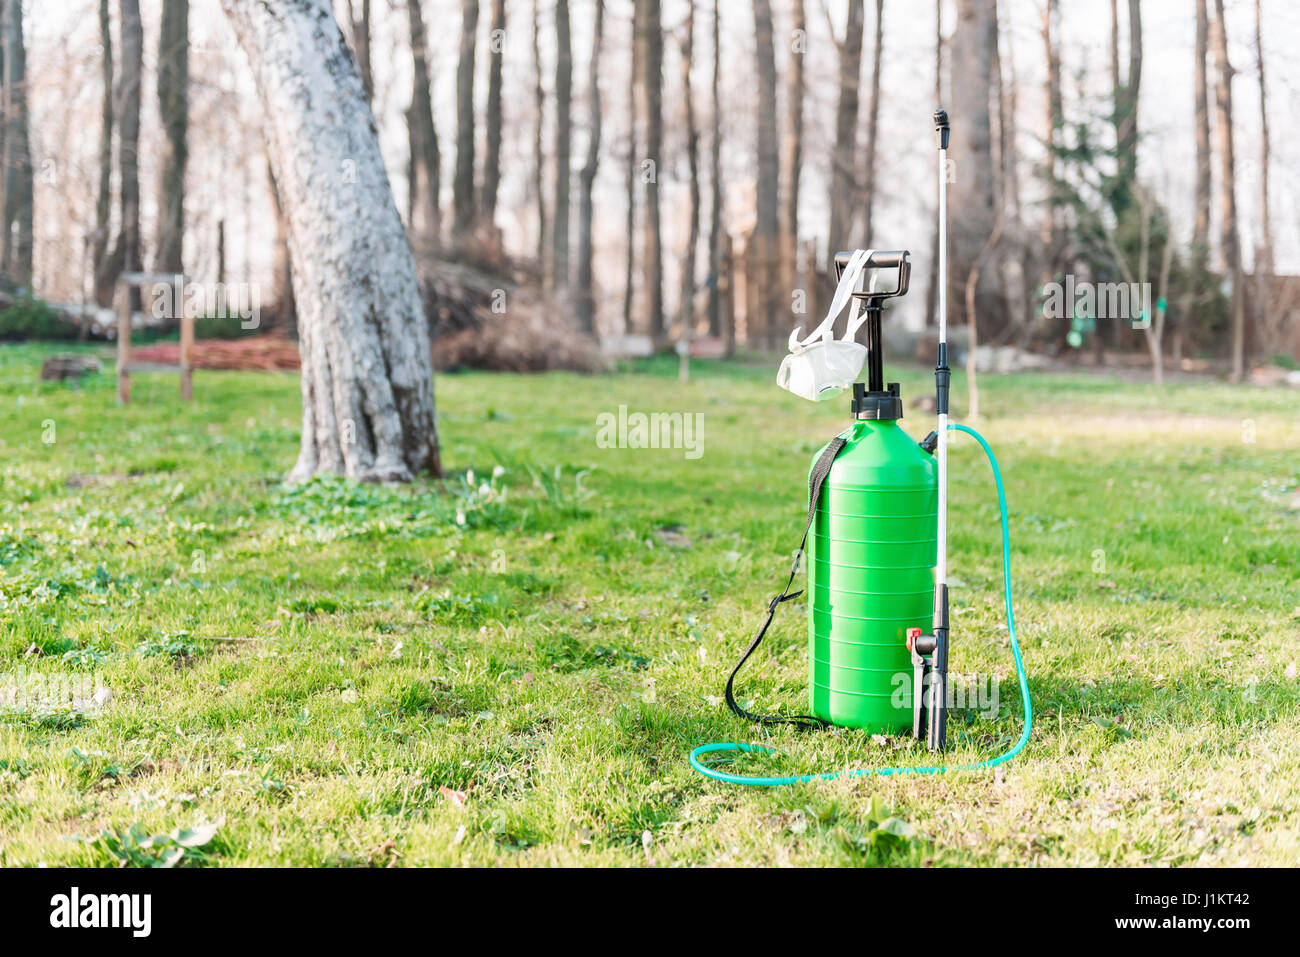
(510, 667)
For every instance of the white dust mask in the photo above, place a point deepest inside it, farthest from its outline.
(820, 367)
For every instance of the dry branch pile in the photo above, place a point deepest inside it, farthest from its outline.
(479, 320)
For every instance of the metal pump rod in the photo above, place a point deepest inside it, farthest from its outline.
(937, 712)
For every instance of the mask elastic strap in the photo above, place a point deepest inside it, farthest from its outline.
(843, 294)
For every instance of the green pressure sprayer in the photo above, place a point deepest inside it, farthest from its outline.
(875, 539)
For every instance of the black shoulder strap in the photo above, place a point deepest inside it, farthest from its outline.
(816, 479)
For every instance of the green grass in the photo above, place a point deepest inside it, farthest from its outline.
(552, 646)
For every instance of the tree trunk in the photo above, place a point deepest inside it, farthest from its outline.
(174, 109)
(126, 251)
(761, 316)
(558, 274)
(633, 163)
(361, 44)
(423, 217)
(1201, 228)
(972, 212)
(652, 109)
(492, 156)
(1264, 264)
(103, 291)
(1125, 92)
(687, 298)
(586, 299)
(792, 150)
(282, 263)
(1051, 237)
(367, 383)
(463, 183)
(17, 153)
(539, 154)
(932, 287)
(1229, 242)
(873, 125)
(1264, 304)
(844, 154)
(716, 261)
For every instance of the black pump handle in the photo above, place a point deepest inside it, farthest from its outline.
(879, 259)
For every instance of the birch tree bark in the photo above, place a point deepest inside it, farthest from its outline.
(367, 383)
(423, 217)
(586, 300)
(174, 109)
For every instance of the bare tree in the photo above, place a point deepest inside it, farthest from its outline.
(17, 239)
(539, 155)
(1201, 229)
(687, 298)
(359, 21)
(492, 154)
(367, 383)
(1264, 248)
(281, 264)
(173, 108)
(932, 287)
(1126, 103)
(1051, 239)
(715, 188)
(633, 104)
(972, 212)
(423, 217)
(652, 41)
(126, 250)
(844, 155)
(1229, 242)
(558, 272)
(762, 315)
(792, 147)
(868, 179)
(104, 195)
(463, 181)
(585, 299)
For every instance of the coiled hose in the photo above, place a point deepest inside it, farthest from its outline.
(863, 772)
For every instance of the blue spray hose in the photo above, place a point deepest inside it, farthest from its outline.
(862, 772)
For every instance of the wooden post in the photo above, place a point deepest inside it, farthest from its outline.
(123, 343)
(187, 341)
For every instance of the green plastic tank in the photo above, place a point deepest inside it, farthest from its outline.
(870, 560)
